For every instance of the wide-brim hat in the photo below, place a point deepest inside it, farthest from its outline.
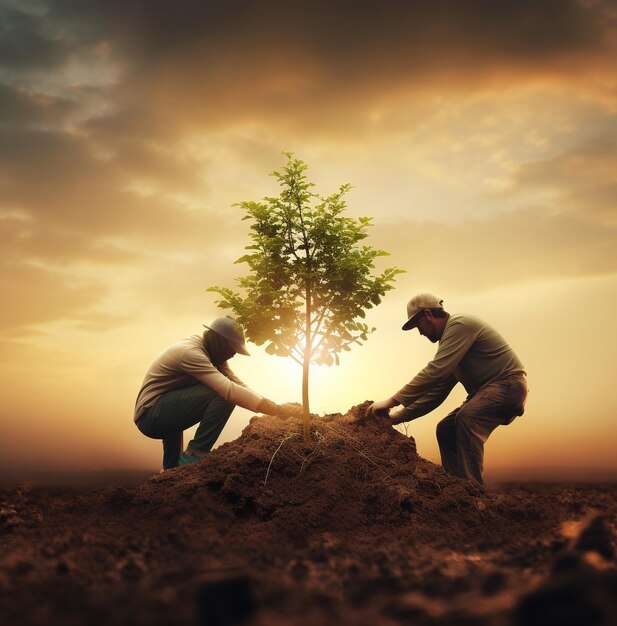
(229, 328)
(419, 303)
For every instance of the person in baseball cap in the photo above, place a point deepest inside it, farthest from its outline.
(418, 304)
(191, 382)
(470, 352)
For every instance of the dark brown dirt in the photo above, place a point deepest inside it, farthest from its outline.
(352, 528)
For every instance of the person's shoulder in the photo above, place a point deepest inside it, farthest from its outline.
(464, 320)
(182, 347)
(193, 350)
(193, 343)
(184, 344)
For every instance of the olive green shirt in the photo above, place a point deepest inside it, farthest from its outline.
(184, 364)
(470, 352)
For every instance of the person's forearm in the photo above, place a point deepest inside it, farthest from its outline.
(267, 407)
(425, 404)
(407, 414)
(399, 418)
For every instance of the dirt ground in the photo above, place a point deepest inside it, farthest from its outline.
(353, 528)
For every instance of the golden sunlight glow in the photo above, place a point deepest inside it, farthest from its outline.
(491, 181)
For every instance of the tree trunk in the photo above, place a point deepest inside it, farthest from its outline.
(305, 400)
(305, 366)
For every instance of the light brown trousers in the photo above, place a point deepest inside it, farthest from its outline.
(461, 435)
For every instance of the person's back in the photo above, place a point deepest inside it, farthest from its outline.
(470, 352)
(488, 356)
(183, 364)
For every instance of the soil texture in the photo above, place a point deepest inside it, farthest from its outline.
(352, 527)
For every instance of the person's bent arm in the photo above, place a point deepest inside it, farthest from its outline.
(228, 372)
(453, 346)
(199, 367)
(426, 403)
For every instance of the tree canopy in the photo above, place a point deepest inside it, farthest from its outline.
(310, 279)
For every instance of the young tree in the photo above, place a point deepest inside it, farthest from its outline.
(309, 281)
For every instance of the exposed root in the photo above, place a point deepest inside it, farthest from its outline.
(283, 440)
(320, 439)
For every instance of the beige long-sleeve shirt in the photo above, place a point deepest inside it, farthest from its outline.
(184, 364)
(470, 352)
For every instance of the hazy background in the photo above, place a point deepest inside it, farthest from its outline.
(480, 135)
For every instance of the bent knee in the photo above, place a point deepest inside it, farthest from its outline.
(464, 419)
(444, 428)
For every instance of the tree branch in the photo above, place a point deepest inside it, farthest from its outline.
(319, 343)
(320, 320)
(296, 359)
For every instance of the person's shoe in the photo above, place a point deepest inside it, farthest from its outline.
(185, 459)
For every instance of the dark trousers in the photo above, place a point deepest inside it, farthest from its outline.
(180, 409)
(461, 435)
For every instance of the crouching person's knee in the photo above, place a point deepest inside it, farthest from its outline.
(443, 430)
(222, 406)
(225, 409)
(464, 421)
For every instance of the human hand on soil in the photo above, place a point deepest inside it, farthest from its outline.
(398, 417)
(289, 409)
(380, 409)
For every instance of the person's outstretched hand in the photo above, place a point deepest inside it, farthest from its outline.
(380, 409)
(289, 409)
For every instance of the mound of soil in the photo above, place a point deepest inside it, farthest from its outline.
(353, 474)
(352, 527)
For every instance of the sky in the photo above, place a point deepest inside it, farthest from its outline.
(479, 135)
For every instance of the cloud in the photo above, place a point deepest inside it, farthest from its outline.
(35, 295)
(125, 126)
(63, 183)
(341, 61)
(22, 108)
(199, 65)
(583, 179)
(74, 220)
(501, 250)
(26, 41)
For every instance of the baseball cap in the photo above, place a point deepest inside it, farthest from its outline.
(229, 328)
(419, 303)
